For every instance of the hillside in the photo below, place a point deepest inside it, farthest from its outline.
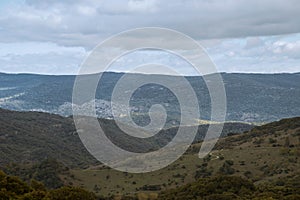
(260, 164)
(46, 147)
(34, 136)
(267, 157)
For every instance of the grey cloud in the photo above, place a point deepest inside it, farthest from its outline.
(258, 54)
(85, 23)
(253, 42)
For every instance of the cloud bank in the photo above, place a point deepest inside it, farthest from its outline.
(245, 36)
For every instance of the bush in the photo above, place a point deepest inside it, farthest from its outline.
(69, 193)
(226, 168)
(272, 141)
(14, 188)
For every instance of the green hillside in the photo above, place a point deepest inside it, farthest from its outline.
(263, 161)
(35, 136)
(266, 156)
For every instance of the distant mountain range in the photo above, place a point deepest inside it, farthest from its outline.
(250, 97)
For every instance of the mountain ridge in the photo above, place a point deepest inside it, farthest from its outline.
(250, 97)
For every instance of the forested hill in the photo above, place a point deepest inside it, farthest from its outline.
(34, 136)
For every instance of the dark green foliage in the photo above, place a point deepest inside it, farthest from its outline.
(203, 171)
(33, 136)
(13, 188)
(12, 185)
(248, 174)
(47, 172)
(151, 188)
(233, 187)
(221, 187)
(272, 141)
(227, 168)
(70, 193)
(284, 124)
(35, 195)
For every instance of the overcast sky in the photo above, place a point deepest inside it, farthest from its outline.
(55, 36)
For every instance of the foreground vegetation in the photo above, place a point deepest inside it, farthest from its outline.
(262, 163)
(266, 155)
(13, 188)
(232, 187)
(218, 187)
